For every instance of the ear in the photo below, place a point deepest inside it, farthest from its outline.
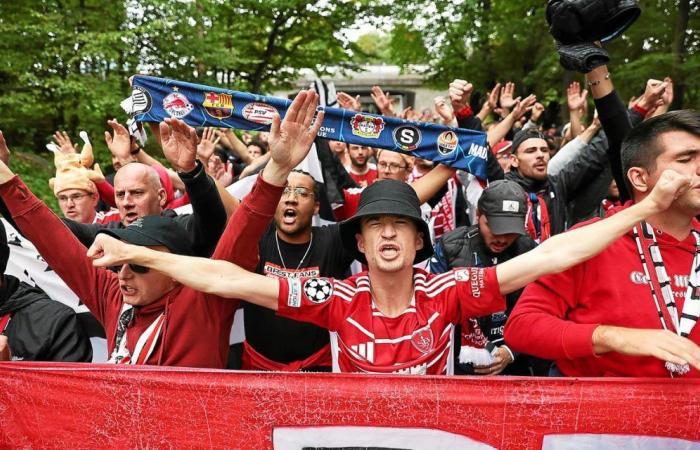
(419, 241)
(317, 206)
(514, 160)
(360, 242)
(639, 179)
(162, 197)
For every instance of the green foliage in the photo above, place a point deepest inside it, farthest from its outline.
(35, 172)
(65, 64)
(485, 41)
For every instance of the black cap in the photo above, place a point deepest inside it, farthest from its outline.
(523, 135)
(504, 205)
(386, 198)
(150, 231)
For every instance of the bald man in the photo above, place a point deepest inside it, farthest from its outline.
(138, 193)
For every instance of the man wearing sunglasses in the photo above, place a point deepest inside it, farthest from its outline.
(148, 317)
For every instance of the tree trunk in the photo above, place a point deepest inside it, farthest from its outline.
(679, 52)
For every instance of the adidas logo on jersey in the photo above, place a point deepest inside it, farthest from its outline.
(364, 351)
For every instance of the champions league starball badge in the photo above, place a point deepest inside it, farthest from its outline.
(318, 290)
(680, 369)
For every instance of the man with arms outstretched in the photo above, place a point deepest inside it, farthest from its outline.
(395, 318)
(149, 318)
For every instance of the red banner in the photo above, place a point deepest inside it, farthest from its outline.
(96, 406)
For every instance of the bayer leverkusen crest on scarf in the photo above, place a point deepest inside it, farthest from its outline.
(154, 99)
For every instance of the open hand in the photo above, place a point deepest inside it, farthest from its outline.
(575, 98)
(119, 144)
(207, 144)
(64, 143)
(346, 101)
(507, 99)
(291, 138)
(383, 101)
(179, 142)
(492, 100)
(520, 107)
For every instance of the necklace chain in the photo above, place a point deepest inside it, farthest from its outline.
(279, 251)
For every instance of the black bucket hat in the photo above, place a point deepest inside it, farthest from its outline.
(152, 231)
(386, 198)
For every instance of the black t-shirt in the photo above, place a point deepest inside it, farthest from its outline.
(278, 338)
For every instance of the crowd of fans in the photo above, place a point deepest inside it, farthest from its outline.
(417, 268)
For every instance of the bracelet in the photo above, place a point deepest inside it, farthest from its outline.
(135, 152)
(597, 82)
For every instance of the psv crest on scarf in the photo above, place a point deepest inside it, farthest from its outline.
(423, 339)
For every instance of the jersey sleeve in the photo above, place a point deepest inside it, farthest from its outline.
(538, 324)
(310, 300)
(476, 292)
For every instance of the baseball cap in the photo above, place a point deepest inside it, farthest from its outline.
(504, 205)
(386, 198)
(502, 146)
(154, 230)
(523, 135)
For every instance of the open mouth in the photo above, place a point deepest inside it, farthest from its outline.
(289, 216)
(389, 251)
(130, 217)
(127, 290)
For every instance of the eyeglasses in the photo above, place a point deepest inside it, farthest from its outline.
(301, 192)
(74, 198)
(393, 167)
(134, 268)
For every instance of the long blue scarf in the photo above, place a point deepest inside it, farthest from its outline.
(154, 99)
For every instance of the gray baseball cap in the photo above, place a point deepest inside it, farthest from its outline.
(505, 205)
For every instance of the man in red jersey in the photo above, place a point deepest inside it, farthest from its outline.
(627, 311)
(394, 318)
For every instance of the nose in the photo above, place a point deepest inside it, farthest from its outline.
(125, 272)
(388, 230)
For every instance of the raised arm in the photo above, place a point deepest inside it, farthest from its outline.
(429, 184)
(573, 247)
(211, 276)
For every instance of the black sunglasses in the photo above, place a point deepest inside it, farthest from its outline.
(134, 268)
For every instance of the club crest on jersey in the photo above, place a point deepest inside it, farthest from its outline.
(177, 105)
(422, 339)
(217, 105)
(368, 127)
(318, 290)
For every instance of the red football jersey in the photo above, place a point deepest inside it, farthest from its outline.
(419, 341)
